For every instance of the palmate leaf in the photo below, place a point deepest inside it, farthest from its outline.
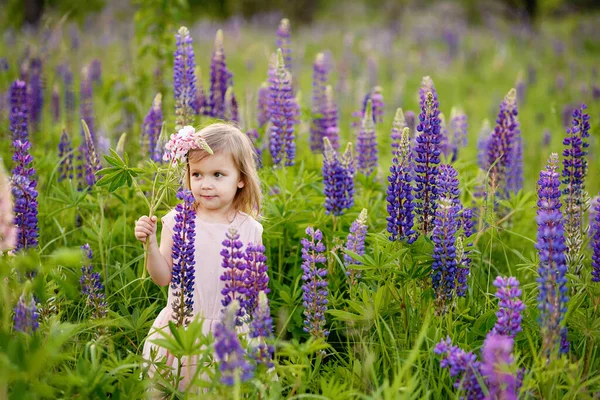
(119, 174)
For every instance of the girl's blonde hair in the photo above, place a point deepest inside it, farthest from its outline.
(224, 137)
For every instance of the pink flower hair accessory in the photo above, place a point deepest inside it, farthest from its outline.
(180, 143)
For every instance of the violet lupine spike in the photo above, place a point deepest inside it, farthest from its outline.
(515, 174)
(256, 279)
(234, 274)
(336, 177)
(366, 145)
(314, 298)
(482, 145)
(183, 271)
(220, 78)
(231, 106)
(281, 110)
(87, 103)
(284, 42)
(319, 100)
(151, 128)
(19, 111)
(547, 138)
(574, 172)
(400, 193)
(25, 196)
(330, 119)
(458, 131)
(444, 136)
(552, 281)
(496, 367)
(65, 153)
(464, 261)
(376, 97)
(397, 127)
(595, 233)
(233, 364)
(184, 79)
(26, 315)
(92, 287)
(201, 105)
(55, 104)
(36, 95)
(262, 112)
(510, 307)
(502, 145)
(90, 160)
(463, 365)
(355, 242)
(427, 158)
(8, 230)
(261, 330)
(96, 71)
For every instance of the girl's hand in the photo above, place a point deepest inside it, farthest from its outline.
(144, 227)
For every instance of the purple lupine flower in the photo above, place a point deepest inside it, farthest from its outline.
(314, 298)
(183, 272)
(447, 185)
(595, 233)
(8, 230)
(458, 131)
(400, 193)
(427, 86)
(96, 71)
(25, 196)
(547, 138)
(233, 364)
(567, 115)
(378, 104)
(234, 273)
(330, 119)
(462, 364)
(427, 157)
(397, 126)
(65, 153)
(444, 136)
(254, 138)
(281, 110)
(151, 129)
(35, 91)
(355, 242)
(552, 282)
(262, 111)
(497, 360)
(503, 144)
(18, 111)
(574, 172)
(367, 143)
(463, 254)
(255, 276)
(89, 160)
(55, 104)
(184, 79)
(87, 103)
(338, 179)
(284, 42)
(201, 105)
(220, 78)
(69, 96)
(482, 145)
(319, 100)
(261, 330)
(231, 106)
(515, 174)
(510, 307)
(92, 287)
(26, 315)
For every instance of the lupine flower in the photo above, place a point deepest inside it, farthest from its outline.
(65, 153)
(234, 273)
(595, 232)
(262, 112)
(92, 287)
(19, 111)
(515, 173)
(96, 71)
(567, 115)
(8, 231)
(233, 364)
(284, 42)
(552, 282)
(314, 298)
(151, 129)
(183, 272)
(462, 364)
(355, 242)
(87, 104)
(338, 179)
(220, 78)
(458, 131)
(261, 330)
(444, 136)
(201, 106)
(427, 86)
(366, 146)
(26, 315)
(375, 95)
(231, 106)
(510, 307)
(90, 160)
(497, 360)
(400, 193)
(256, 279)
(35, 96)
(25, 195)
(281, 110)
(410, 122)
(503, 146)
(547, 138)
(397, 126)
(184, 79)
(427, 158)
(482, 145)
(330, 119)
(574, 173)
(55, 103)
(319, 100)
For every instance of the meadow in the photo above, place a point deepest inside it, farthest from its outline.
(461, 253)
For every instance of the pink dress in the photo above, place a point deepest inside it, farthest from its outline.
(208, 285)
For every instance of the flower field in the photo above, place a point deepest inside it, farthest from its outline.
(430, 205)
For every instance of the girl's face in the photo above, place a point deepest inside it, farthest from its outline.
(214, 181)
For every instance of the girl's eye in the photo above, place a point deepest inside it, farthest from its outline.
(218, 174)
(196, 174)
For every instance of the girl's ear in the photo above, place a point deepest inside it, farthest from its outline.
(241, 184)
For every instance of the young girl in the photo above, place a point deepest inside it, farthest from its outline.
(226, 190)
